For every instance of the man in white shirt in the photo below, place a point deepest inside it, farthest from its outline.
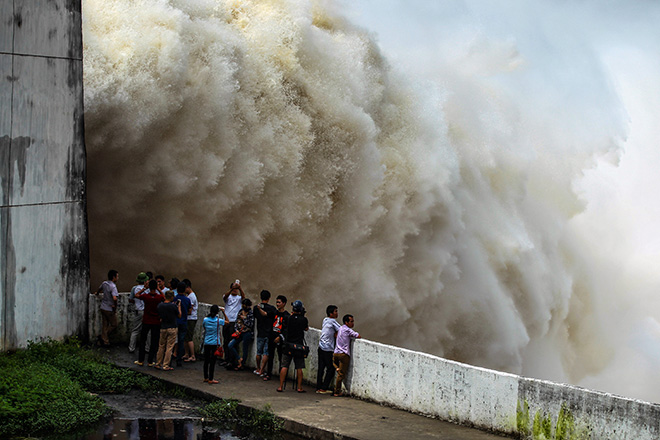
(233, 303)
(136, 311)
(326, 349)
(192, 323)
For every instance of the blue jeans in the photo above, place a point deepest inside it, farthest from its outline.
(246, 338)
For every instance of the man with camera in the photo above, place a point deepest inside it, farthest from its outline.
(233, 300)
(295, 348)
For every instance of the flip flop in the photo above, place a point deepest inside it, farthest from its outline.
(168, 368)
(279, 390)
(301, 391)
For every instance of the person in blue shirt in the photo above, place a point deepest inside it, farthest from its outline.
(182, 321)
(211, 330)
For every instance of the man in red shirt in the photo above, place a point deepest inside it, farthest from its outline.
(151, 296)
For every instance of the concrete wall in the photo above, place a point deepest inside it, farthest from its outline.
(44, 264)
(467, 395)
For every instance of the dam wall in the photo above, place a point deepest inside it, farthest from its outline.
(44, 264)
(467, 395)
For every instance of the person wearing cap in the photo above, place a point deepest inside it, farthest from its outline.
(294, 333)
(342, 355)
(136, 311)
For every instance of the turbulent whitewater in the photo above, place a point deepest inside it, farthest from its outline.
(272, 141)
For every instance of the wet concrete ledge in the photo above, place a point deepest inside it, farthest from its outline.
(308, 415)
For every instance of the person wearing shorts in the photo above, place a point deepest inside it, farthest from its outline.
(264, 314)
(192, 323)
(294, 333)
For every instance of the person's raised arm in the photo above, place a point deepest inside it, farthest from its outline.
(226, 295)
(261, 309)
(140, 292)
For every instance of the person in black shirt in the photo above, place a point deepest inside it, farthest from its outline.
(294, 333)
(274, 340)
(264, 314)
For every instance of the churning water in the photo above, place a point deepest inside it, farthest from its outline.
(470, 179)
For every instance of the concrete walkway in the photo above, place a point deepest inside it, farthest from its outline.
(308, 414)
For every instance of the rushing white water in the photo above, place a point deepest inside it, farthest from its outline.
(466, 179)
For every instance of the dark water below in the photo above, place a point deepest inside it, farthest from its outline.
(151, 429)
(144, 416)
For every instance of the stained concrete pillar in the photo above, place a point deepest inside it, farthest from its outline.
(44, 262)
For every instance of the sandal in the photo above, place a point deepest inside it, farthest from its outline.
(279, 390)
(166, 368)
(301, 391)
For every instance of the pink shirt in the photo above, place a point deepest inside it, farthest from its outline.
(344, 336)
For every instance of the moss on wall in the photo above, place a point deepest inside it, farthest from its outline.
(566, 427)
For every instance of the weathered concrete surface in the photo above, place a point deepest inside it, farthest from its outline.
(603, 415)
(44, 264)
(464, 394)
(310, 415)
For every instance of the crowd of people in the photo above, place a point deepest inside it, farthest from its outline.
(163, 319)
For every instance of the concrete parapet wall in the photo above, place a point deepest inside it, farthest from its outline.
(44, 263)
(468, 395)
